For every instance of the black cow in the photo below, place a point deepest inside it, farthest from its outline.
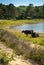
(27, 32)
(35, 35)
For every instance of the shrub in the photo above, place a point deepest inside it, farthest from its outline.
(4, 58)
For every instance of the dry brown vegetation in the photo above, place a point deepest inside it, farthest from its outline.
(20, 43)
(24, 48)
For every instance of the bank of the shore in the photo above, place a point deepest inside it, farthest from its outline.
(19, 22)
(27, 49)
(20, 43)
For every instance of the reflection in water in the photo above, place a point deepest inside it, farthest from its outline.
(36, 27)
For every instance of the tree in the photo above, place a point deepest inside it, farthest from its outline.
(43, 10)
(21, 12)
(30, 11)
(11, 11)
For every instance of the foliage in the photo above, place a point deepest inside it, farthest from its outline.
(19, 47)
(22, 48)
(22, 12)
(4, 59)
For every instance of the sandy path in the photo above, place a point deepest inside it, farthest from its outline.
(20, 61)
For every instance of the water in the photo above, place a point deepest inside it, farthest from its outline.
(39, 27)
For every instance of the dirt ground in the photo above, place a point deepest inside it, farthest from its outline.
(20, 61)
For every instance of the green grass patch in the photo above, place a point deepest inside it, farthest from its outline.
(39, 40)
(6, 23)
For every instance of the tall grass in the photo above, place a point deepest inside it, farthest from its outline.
(18, 22)
(21, 36)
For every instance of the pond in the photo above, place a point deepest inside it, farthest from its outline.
(38, 27)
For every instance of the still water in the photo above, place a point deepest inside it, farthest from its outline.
(39, 27)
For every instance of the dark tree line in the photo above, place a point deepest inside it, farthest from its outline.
(21, 12)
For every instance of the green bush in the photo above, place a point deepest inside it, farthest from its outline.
(4, 59)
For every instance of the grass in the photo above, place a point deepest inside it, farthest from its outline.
(21, 36)
(34, 54)
(18, 22)
(7, 23)
(5, 54)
